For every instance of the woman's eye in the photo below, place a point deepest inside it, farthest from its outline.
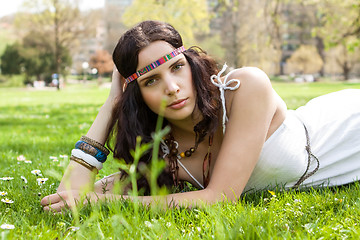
(178, 66)
(150, 82)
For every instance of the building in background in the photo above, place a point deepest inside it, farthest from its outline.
(114, 26)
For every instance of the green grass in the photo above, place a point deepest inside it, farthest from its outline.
(40, 124)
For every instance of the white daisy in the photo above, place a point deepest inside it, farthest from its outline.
(36, 172)
(74, 229)
(27, 161)
(24, 179)
(21, 158)
(7, 178)
(8, 201)
(2, 194)
(41, 180)
(7, 226)
(148, 224)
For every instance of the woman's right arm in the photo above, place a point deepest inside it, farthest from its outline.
(76, 176)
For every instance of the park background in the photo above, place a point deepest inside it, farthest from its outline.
(295, 42)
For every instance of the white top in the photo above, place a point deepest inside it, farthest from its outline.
(333, 122)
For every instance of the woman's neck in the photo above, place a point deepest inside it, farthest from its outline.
(186, 125)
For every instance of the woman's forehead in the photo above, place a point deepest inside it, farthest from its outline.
(153, 52)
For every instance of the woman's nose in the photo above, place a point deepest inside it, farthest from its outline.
(171, 87)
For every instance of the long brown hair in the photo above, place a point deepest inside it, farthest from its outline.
(132, 117)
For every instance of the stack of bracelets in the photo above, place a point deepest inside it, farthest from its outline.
(89, 153)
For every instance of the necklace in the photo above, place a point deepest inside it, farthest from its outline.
(171, 150)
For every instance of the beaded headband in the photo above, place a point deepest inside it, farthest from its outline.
(153, 65)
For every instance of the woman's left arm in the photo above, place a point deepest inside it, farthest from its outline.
(251, 109)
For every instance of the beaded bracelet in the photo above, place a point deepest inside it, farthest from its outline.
(87, 158)
(83, 163)
(93, 151)
(96, 144)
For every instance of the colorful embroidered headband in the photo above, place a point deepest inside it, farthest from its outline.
(153, 65)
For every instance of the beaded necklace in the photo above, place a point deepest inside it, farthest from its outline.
(171, 150)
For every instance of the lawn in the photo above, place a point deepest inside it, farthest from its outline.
(37, 130)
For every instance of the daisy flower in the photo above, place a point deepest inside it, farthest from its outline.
(24, 179)
(7, 178)
(2, 194)
(73, 228)
(8, 201)
(36, 172)
(63, 156)
(41, 180)
(7, 226)
(21, 158)
(27, 161)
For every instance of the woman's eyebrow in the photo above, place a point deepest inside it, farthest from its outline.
(155, 75)
(172, 65)
(149, 77)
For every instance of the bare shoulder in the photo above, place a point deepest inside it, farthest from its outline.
(251, 76)
(254, 85)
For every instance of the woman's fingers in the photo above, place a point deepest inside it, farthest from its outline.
(51, 199)
(116, 83)
(66, 199)
(55, 208)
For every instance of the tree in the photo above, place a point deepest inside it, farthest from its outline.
(344, 58)
(305, 60)
(340, 21)
(57, 24)
(189, 17)
(241, 28)
(39, 59)
(11, 60)
(102, 61)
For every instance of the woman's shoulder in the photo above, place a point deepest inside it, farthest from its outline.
(250, 76)
(254, 85)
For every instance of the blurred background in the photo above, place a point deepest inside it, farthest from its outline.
(54, 42)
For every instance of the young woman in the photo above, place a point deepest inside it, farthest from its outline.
(228, 134)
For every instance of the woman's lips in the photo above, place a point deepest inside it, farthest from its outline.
(178, 104)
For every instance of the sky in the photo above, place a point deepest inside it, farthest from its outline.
(11, 6)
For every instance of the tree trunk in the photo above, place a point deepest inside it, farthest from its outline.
(57, 48)
(321, 48)
(346, 71)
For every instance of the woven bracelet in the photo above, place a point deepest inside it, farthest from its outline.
(96, 144)
(83, 163)
(87, 158)
(93, 151)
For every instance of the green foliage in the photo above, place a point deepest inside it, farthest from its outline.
(11, 59)
(32, 59)
(12, 81)
(39, 59)
(40, 124)
(189, 17)
(50, 30)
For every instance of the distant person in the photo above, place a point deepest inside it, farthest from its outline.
(55, 79)
(229, 135)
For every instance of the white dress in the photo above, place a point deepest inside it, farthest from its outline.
(333, 124)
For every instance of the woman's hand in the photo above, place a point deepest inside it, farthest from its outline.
(68, 199)
(116, 85)
(107, 184)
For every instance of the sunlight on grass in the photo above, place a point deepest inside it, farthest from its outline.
(39, 129)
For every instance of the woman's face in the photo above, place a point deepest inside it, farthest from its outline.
(170, 82)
